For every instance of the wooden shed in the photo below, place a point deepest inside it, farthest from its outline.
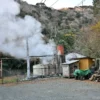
(69, 67)
(85, 63)
(82, 62)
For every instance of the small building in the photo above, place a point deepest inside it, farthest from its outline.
(73, 61)
(40, 70)
(71, 56)
(84, 62)
(44, 70)
(69, 67)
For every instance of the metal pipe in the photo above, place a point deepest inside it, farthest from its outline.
(28, 59)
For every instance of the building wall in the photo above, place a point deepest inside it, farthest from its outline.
(85, 63)
(73, 67)
(68, 70)
(65, 70)
(97, 63)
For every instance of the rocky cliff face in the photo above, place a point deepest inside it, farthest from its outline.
(64, 19)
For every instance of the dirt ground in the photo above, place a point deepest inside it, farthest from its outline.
(51, 89)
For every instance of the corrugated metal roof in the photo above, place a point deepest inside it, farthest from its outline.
(73, 55)
(70, 58)
(70, 62)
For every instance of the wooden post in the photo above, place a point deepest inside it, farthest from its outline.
(1, 68)
(99, 64)
(1, 72)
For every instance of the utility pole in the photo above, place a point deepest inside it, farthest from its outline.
(55, 32)
(57, 52)
(82, 16)
(28, 59)
(50, 32)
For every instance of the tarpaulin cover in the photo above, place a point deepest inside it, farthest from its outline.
(79, 72)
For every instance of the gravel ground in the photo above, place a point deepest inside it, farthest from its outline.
(53, 89)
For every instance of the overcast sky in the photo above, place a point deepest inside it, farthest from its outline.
(61, 3)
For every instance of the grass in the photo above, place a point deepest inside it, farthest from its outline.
(13, 79)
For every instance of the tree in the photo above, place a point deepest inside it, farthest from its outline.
(96, 27)
(67, 40)
(87, 43)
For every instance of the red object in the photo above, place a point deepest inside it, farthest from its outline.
(60, 49)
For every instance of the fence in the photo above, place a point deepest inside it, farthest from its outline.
(10, 75)
(15, 76)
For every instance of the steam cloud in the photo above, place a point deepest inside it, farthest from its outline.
(14, 30)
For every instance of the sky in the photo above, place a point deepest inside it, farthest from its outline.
(61, 3)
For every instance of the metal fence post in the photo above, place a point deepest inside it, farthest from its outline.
(2, 80)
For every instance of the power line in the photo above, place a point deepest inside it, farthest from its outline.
(41, 1)
(44, 1)
(76, 5)
(81, 2)
(54, 2)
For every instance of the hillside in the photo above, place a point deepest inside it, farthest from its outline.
(64, 20)
(96, 7)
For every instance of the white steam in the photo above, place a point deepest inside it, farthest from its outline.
(14, 30)
(9, 7)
